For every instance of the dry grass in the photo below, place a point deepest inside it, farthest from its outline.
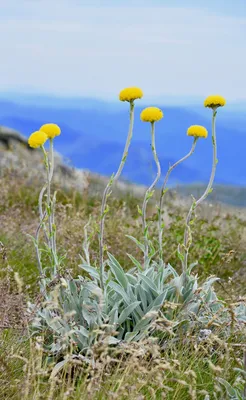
(141, 371)
(177, 370)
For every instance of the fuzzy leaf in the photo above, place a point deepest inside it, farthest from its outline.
(127, 311)
(135, 262)
(139, 245)
(209, 282)
(91, 271)
(118, 289)
(131, 279)
(117, 271)
(158, 302)
(142, 295)
(130, 336)
(229, 389)
(57, 368)
(112, 340)
(149, 284)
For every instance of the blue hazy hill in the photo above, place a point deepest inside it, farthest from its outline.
(94, 132)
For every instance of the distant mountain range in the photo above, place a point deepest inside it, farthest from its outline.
(94, 132)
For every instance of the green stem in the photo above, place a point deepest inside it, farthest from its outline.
(41, 213)
(196, 203)
(106, 193)
(38, 255)
(49, 205)
(52, 203)
(49, 163)
(46, 187)
(149, 194)
(52, 208)
(163, 191)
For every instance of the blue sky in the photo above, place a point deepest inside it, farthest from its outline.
(171, 49)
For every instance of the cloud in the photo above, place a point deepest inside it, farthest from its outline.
(63, 47)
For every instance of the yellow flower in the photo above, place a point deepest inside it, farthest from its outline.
(130, 94)
(197, 131)
(51, 130)
(37, 139)
(151, 114)
(214, 101)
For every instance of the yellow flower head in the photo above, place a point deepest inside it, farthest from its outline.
(151, 114)
(51, 130)
(197, 131)
(37, 139)
(214, 101)
(130, 94)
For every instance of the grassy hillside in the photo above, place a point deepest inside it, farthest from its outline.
(231, 195)
(183, 370)
(219, 230)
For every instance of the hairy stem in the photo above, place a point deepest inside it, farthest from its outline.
(49, 163)
(149, 194)
(42, 215)
(38, 255)
(53, 202)
(52, 208)
(46, 187)
(106, 193)
(163, 191)
(196, 203)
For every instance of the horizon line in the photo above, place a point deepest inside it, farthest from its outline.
(178, 100)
